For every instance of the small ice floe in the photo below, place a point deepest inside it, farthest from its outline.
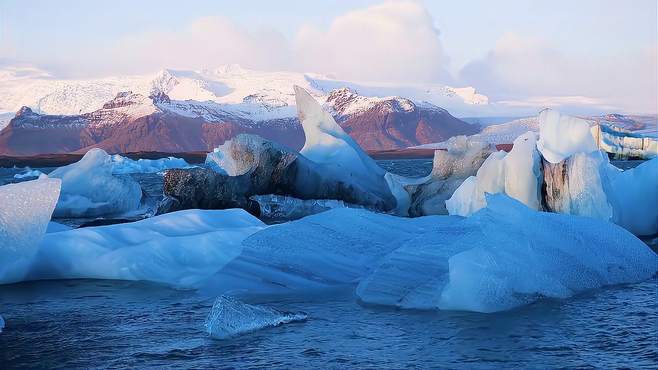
(2, 323)
(229, 318)
(28, 173)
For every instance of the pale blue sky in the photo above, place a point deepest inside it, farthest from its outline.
(61, 36)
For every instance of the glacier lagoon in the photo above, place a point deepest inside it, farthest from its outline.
(85, 323)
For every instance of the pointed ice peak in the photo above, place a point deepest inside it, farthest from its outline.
(326, 142)
(163, 82)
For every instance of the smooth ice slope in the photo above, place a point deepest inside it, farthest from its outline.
(178, 249)
(229, 318)
(560, 136)
(25, 210)
(504, 256)
(90, 189)
(124, 165)
(634, 197)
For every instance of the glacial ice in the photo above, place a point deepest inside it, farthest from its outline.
(28, 173)
(281, 207)
(90, 189)
(634, 196)
(229, 318)
(517, 174)
(55, 227)
(560, 136)
(122, 165)
(504, 256)
(179, 249)
(25, 209)
(449, 170)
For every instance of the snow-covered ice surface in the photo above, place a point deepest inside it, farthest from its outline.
(560, 136)
(504, 256)
(90, 189)
(25, 210)
(124, 165)
(179, 249)
(229, 318)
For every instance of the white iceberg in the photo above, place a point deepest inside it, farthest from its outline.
(123, 165)
(25, 209)
(517, 174)
(229, 318)
(178, 249)
(504, 256)
(634, 198)
(90, 189)
(560, 136)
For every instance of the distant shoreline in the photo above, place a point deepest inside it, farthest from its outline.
(58, 160)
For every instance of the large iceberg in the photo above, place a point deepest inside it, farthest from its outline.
(90, 189)
(25, 209)
(229, 318)
(179, 249)
(504, 256)
(634, 198)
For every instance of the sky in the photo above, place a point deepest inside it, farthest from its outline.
(590, 52)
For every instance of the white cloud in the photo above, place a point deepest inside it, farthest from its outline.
(392, 41)
(521, 69)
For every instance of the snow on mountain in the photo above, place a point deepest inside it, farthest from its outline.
(254, 92)
(503, 133)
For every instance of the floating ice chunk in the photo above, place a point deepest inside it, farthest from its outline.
(517, 174)
(561, 136)
(28, 173)
(504, 256)
(216, 161)
(2, 323)
(634, 196)
(178, 249)
(90, 189)
(229, 318)
(124, 165)
(25, 209)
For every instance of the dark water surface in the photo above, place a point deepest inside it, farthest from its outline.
(114, 324)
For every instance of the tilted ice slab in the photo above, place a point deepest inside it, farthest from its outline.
(229, 318)
(90, 189)
(504, 256)
(25, 210)
(124, 165)
(178, 249)
(517, 174)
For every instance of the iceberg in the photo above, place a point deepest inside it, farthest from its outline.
(634, 196)
(280, 207)
(517, 174)
(122, 165)
(25, 209)
(178, 249)
(28, 173)
(229, 318)
(55, 227)
(450, 169)
(504, 256)
(90, 189)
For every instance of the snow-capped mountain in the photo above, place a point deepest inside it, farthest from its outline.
(257, 91)
(133, 122)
